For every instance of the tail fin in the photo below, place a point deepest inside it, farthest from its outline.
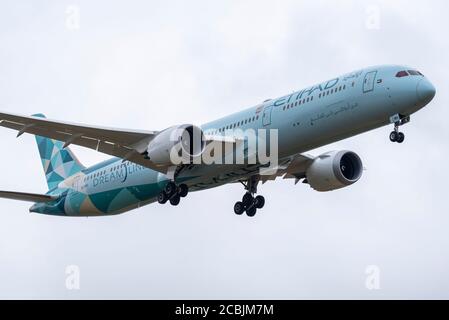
(59, 163)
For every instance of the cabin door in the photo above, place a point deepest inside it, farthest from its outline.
(368, 83)
(266, 117)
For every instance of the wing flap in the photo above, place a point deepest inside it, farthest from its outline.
(119, 136)
(30, 197)
(125, 144)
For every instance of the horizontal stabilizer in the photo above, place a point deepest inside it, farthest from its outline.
(30, 197)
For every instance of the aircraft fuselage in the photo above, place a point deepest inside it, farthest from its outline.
(313, 117)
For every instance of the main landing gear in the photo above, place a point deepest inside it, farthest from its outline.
(398, 120)
(249, 203)
(173, 193)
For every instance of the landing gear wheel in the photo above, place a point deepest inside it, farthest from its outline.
(170, 188)
(251, 212)
(398, 120)
(183, 190)
(248, 199)
(250, 203)
(175, 200)
(162, 198)
(259, 202)
(394, 136)
(239, 208)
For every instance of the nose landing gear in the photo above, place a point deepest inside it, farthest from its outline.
(249, 203)
(397, 136)
(398, 120)
(173, 193)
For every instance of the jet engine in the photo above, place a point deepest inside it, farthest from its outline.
(176, 144)
(334, 170)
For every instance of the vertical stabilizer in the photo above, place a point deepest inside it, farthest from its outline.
(59, 163)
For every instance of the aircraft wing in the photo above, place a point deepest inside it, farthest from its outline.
(294, 167)
(125, 144)
(30, 197)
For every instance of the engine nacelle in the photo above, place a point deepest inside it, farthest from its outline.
(334, 170)
(186, 141)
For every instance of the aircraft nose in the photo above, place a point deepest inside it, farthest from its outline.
(425, 91)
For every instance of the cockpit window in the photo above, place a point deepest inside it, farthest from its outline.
(407, 73)
(415, 73)
(402, 74)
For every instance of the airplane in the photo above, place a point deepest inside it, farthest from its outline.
(143, 172)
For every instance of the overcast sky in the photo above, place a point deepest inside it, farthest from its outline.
(149, 65)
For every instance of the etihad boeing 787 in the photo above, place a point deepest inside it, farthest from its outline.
(144, 170)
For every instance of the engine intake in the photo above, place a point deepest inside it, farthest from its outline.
(184, 142)
(334, 170)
